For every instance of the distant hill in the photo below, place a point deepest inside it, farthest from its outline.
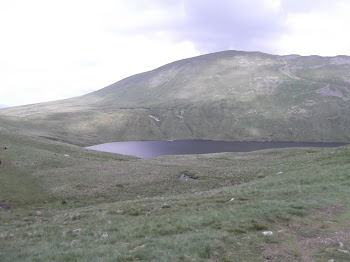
(3, 106)
(230, 95)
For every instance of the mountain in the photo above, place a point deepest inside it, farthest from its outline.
(3, 106)
(230, 95)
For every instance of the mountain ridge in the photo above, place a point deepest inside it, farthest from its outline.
(228, 95)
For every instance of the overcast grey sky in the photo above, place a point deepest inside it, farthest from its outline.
(55, 49)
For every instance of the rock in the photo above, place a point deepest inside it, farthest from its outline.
(66, 155)
(232, 199)
(76, 231)
(184, 177)
(38, 213)
(280, 173)
(74, 241)
(104, 235)
(165, 205)
(154, 118)
(267, 233)
(331, 260)
(188, 176)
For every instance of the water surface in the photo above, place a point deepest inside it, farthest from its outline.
(147, 149)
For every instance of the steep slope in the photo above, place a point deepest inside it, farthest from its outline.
(229, 95)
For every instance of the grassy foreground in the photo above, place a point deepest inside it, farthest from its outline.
(64, 203)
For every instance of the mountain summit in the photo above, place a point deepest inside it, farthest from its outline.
(230, 95)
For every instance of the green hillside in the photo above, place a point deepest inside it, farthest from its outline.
(229, 95)
(60, 202)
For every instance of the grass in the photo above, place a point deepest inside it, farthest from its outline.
(106, 207)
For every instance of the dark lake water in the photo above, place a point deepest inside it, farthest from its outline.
(147, 149)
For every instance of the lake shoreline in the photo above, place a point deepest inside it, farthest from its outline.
(155, 148)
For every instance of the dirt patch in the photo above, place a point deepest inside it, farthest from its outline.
(277, 252)
(327, 211)
(324, 233)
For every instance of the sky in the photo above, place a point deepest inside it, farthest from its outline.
(56, 49)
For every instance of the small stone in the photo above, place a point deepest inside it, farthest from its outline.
(104, 235)
(66, 155)
(38, 213)
(76, 231)
(331, 260)
(73, 241)
(165, 205)
(267, 233)
(184, 177)
(232, 199)
(280, 173)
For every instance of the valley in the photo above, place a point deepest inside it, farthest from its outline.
(62, 202)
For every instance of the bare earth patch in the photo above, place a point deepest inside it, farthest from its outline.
(320, 237)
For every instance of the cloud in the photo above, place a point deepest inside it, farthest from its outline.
(302, 6)
(241, 24)
(212, 25)
(57, 49)
(319, 28)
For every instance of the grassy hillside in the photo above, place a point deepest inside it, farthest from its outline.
(230, 95)
(60, 202)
